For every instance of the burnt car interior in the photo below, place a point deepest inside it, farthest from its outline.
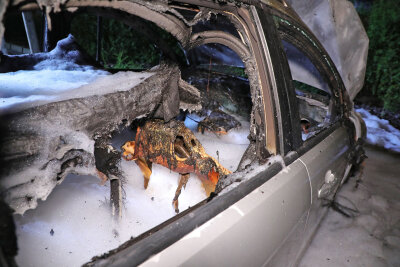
(180, 114)
(194, 114)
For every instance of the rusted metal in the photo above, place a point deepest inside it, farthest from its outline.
(174, 146)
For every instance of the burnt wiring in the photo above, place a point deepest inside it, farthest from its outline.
(357, 173)
(342, 209)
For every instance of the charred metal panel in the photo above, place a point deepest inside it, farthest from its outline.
(263, 128)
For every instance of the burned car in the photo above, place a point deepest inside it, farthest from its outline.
(239, 95)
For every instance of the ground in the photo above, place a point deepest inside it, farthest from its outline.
(371, 237)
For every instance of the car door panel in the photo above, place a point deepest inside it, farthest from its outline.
(250, 231)
(330, 155)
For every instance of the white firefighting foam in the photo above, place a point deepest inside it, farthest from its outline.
(78, 209)
(74, 222)
(380, 132)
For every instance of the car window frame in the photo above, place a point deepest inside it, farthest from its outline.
(335, 105)
(288, 138)
(314, 50)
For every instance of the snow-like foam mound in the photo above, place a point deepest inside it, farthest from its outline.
(380, 132)
(52, 73)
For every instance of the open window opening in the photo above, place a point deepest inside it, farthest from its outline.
(313, 94)
(129, 43)
(15, 39)
(120, 46)
(160, 125)
(224, 119)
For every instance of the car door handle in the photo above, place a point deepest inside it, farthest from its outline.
(329, 186)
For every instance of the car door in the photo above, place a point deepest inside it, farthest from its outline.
(325, 143)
